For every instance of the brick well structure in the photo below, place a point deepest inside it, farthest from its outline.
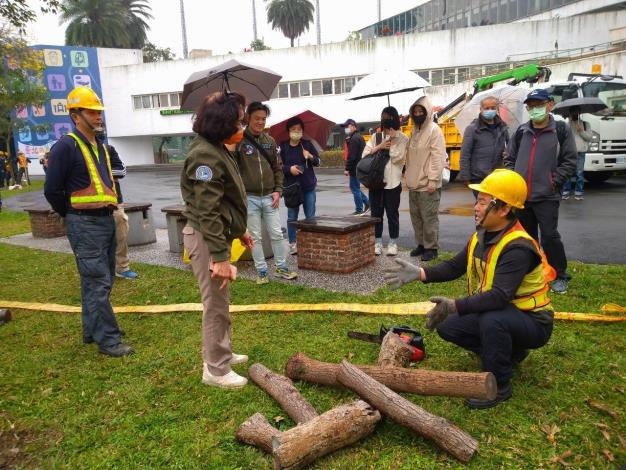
(45, 223)
(335, 244)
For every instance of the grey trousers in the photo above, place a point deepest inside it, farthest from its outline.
(92, 239)
(424, 210)
(216, 349)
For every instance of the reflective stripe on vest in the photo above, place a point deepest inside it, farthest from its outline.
(97, 195)
(532, 294)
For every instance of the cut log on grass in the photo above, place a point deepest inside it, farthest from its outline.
(257, 431)
(327, 433)
(281, 389)
(480, 385)
(394, 352)
(439, 430)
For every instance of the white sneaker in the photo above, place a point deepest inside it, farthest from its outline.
(392, 249)
(238, 359)
(293, 248)
(378, 249)
(230, 380)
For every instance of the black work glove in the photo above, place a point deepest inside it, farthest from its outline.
(443, 307)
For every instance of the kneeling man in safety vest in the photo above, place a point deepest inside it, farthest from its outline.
(80, 188)
(507, 310)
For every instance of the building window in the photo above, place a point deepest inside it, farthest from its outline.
(164, 100)
(349, 84)
(449, 76)
(137, 102)
(424, 74)
(327, 87)
(305, 88)
(338, 86)
(283, 90)
(146, 101)
(462, 74)
(436, 77)
(174, 99)
(316, 86)
(294, 90)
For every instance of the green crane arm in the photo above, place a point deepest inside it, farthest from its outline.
(530, 73)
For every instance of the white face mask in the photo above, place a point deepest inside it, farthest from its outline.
(347, 131)
(295, 135)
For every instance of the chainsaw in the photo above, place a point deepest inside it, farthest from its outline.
(407, 334)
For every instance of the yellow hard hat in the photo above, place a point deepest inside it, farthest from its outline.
(505, 185)
(85, 98)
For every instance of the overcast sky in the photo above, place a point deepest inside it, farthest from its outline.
(226, 25)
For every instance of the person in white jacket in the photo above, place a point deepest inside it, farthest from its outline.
(582, 136)
(387, 200)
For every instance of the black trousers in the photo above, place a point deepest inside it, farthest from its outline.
(498, 337)
(542, 217)
(386, 201)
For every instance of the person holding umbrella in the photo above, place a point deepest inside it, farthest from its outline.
(582, 135)
(354, 149)
(216, 212)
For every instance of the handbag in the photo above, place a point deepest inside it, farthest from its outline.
(293, 195)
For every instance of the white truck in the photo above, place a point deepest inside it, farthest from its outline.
(607, 149)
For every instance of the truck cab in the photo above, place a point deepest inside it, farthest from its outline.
(607, 149)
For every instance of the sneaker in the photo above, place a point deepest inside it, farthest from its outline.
(378, 249)
(293, 248)
(559, 286)
(429, 255)
(357, 213)
(118, 350)
(286, 274)
(128, 274)
(504, 393)
(366, 208)
(230, 380)
(392, 249)
(88, 339)
(238, 359)
(565, 196)
(418, 250)
(262, 278)
(579, 197)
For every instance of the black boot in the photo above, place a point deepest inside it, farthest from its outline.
(418, 250)
(504, 393)
(429, 255)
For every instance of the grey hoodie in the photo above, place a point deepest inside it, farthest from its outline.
(542, 161)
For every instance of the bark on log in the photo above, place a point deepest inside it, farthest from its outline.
(394, 352)
(281, 389)
(480, 385)
(257, 431)
(443, 433)
(327, 433)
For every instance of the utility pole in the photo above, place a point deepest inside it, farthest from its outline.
(379, 12)
(183, 27)
(319, 28)
(254, 21)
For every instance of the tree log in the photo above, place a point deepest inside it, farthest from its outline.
(327, 433)
(480, 385)
(443, 433)
(394, 352)
(257, 431)
(281, 389)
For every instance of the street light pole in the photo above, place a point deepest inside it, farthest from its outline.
(319, 28)
(254, 32)
(183, 27)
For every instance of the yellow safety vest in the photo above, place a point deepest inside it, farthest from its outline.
(532, 294)
(97, 195)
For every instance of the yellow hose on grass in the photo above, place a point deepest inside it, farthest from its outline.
(417, 308)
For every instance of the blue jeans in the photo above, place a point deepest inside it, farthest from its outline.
(260, 210)
(292, 213)
(93, 242)
(359, 196)
(580, 178)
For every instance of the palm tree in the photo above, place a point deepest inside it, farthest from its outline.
(292, 17)
(106, 23)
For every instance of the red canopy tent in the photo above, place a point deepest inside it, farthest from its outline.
(316, 128)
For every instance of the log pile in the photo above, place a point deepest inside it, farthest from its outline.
(317, 435)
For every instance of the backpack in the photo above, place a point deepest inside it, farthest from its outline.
(561, 134)
(370, 171)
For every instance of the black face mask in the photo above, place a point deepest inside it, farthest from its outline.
(574, 117)
(419, 120)
(387, 124)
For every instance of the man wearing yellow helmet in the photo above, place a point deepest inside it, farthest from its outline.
(507, 310)
(79, 186)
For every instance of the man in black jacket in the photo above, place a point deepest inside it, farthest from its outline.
(354, 147)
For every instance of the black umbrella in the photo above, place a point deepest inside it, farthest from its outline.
(253, 82)
(584, 105)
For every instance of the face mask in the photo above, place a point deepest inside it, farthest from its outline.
(574, 117)
(387, 123)
(538, 114)
(419, 120)
(235, 138)
(488, 114)
(348, 131)
(295, 135)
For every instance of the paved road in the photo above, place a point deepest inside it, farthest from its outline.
(594, 230)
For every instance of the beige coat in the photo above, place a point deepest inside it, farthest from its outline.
(397, 152)
(426, 152)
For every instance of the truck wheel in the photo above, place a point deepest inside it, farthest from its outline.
(598, 176)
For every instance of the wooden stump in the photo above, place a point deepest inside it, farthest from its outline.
(480, 385)
(394, 352)
(324, 434)
(257, 431)
(281, 389)
(443, 433)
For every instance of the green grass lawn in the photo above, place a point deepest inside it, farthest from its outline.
(63, 405)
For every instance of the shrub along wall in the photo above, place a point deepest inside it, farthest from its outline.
(332, 159)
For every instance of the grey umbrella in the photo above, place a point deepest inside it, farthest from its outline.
(585, 105)
(253, 82)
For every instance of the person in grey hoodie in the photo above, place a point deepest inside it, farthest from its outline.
(484, 143)
(544, 153)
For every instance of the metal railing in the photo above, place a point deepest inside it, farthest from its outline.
(560, 55)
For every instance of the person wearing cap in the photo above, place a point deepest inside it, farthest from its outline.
(80, 188)
(354, 149)
(507, 310)
(544, 152)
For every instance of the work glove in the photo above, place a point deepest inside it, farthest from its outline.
(401, 273)
(443, 307)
